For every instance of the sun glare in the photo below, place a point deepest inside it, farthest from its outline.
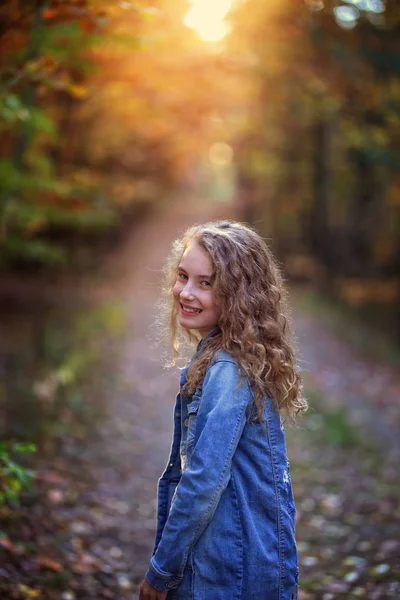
(206, 17)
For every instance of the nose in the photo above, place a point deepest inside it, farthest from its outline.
(187, 292)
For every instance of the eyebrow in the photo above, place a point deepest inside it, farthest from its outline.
(180, 268)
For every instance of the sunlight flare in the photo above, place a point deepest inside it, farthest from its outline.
(206, 17)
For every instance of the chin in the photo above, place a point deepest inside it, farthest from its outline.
(186, 325)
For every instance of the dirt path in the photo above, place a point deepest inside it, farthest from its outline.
(100, 527)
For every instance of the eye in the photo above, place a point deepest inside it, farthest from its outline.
(205, 283)
(182, 276)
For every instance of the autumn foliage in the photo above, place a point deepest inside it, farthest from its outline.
(106, 106)
(101, 108)
(320, 159)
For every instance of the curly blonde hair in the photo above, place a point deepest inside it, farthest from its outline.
(254, 323)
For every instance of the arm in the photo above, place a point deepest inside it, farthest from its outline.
(220, 422)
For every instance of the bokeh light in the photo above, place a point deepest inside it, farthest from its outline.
(220, 154)
(346, 16)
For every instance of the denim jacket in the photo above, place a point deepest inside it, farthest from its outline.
(226, 514)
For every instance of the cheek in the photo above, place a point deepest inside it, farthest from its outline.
(212, 305)
(217, 309)
(176, 290)
(218, 312)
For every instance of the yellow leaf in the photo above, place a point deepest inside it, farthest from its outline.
(28, 592)
(33, 66)
(78, 91)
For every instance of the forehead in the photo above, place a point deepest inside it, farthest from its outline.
(196, 259)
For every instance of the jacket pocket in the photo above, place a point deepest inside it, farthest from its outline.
(193, 409)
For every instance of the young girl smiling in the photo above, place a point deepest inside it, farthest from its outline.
(226, 514)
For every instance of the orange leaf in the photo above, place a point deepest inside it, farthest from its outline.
(5, 543)
(49, 565)
(87, 25)
(49, 13)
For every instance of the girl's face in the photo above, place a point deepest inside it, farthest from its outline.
(193, 291)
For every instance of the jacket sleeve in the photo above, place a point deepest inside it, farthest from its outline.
(220, 422)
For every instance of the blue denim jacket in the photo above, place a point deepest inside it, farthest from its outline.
(226, 514)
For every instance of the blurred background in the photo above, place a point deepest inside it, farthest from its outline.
(122, 122)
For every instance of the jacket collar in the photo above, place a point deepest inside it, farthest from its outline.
(204, 340)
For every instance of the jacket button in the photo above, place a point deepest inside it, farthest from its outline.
(186, 422)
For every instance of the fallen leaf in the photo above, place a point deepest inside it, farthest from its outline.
(56, 496)
(86, 564)
(7, 544)
(47, 564)
(29, 592)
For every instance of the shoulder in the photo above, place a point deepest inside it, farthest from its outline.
(222, 365)
(222, 356)
(224, 372)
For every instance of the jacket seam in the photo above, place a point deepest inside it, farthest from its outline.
(220, 360)
(241, 532)
(161, 574)
(278, 507)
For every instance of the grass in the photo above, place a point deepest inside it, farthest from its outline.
(327, 427)
(332, 426)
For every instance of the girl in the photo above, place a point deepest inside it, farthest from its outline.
(226, 514)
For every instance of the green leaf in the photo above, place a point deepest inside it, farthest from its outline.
(24, 447)
(11, 496)
(33, 249)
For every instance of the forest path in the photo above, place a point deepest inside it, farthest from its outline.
(344, 460)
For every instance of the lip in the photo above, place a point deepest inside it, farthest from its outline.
(189, 313)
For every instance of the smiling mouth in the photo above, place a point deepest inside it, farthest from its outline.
(189, 310)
